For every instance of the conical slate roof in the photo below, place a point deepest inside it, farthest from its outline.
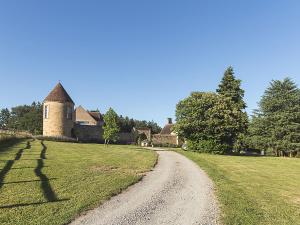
(58, 94)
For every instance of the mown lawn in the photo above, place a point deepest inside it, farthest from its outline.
(51, 184)
(254, 190)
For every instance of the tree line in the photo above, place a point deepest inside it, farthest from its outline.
(216, 122)
(30, 118)
(23, 118)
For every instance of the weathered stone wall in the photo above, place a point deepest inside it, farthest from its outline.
(161, 139)
(88, 133)
(126, 138)
(57, 123)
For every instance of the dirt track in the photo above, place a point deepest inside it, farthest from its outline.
(177, 191)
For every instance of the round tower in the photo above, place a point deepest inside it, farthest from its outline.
(58, 113)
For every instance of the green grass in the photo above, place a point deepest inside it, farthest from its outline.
(254, 190)
(52, 186)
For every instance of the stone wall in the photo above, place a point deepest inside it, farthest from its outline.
(57, 123)
(88, 133)
(165, 140)
(126, 138)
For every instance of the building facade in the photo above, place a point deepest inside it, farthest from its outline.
(58, 113)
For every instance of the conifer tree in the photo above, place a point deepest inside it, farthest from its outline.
(230, 87)
(277, 123)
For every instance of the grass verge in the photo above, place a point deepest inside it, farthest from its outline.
(52, 182)
(254, 190)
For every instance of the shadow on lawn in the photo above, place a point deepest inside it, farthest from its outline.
(31, 203)
(10, 163)
(48, 191)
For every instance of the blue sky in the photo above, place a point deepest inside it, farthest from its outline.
(141, 57)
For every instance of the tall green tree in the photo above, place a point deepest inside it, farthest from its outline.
(209, 118)
(230, 88)
(276, 125)
(111, 126)
(4, 118)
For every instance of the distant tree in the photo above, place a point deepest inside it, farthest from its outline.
(126, 124)
(276, 124)
(111, 126)
(27, 118)
(4, 118)
(155, 128)
(230, 88)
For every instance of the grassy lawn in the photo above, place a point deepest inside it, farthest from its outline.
(51, 184)
(254, 190)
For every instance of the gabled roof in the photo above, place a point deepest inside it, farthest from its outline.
(96, 115)
(58, 94)
(167, 129)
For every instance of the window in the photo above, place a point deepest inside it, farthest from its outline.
(82, 122)
(69, 112)
(46, 112)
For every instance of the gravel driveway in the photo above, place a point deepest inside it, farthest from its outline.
(177, 191)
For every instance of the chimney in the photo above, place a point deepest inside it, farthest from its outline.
(170, 121)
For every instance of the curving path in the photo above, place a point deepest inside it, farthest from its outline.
(177, 191)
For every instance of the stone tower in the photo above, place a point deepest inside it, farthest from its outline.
(58, 113)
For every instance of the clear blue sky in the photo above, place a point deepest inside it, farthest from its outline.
(141, 57)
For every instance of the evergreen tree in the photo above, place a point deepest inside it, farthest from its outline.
(111, 126)
(230, 87)
(278, 125)
(4, 118)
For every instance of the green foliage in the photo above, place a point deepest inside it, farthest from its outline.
(207, 146)
(209, 117)
(24, 118)
(4, 118)
(214, 119)
(111, 127)
(276, 125)
(230, 87)
(126, 124)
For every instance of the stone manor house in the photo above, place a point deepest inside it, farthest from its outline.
(61, 119)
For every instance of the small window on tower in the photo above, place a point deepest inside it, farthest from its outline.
(46, 111)
(69, 113)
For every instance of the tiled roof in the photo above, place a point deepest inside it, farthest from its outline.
(58, 94)
(167, 129)
(96, 115)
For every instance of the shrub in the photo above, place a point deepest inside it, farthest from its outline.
(207, 146)
(56, 138)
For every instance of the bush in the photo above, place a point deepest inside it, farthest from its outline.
(207, 146)
(56, 138)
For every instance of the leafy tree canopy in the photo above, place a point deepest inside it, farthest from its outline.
(23, 117)
(111, 126)
(209, 116)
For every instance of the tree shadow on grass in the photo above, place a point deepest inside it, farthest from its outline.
(31, 203)
(43, 152)
(9, 163)
(26, 181)
(48, 192)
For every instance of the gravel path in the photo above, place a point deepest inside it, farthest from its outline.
(177, 191)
